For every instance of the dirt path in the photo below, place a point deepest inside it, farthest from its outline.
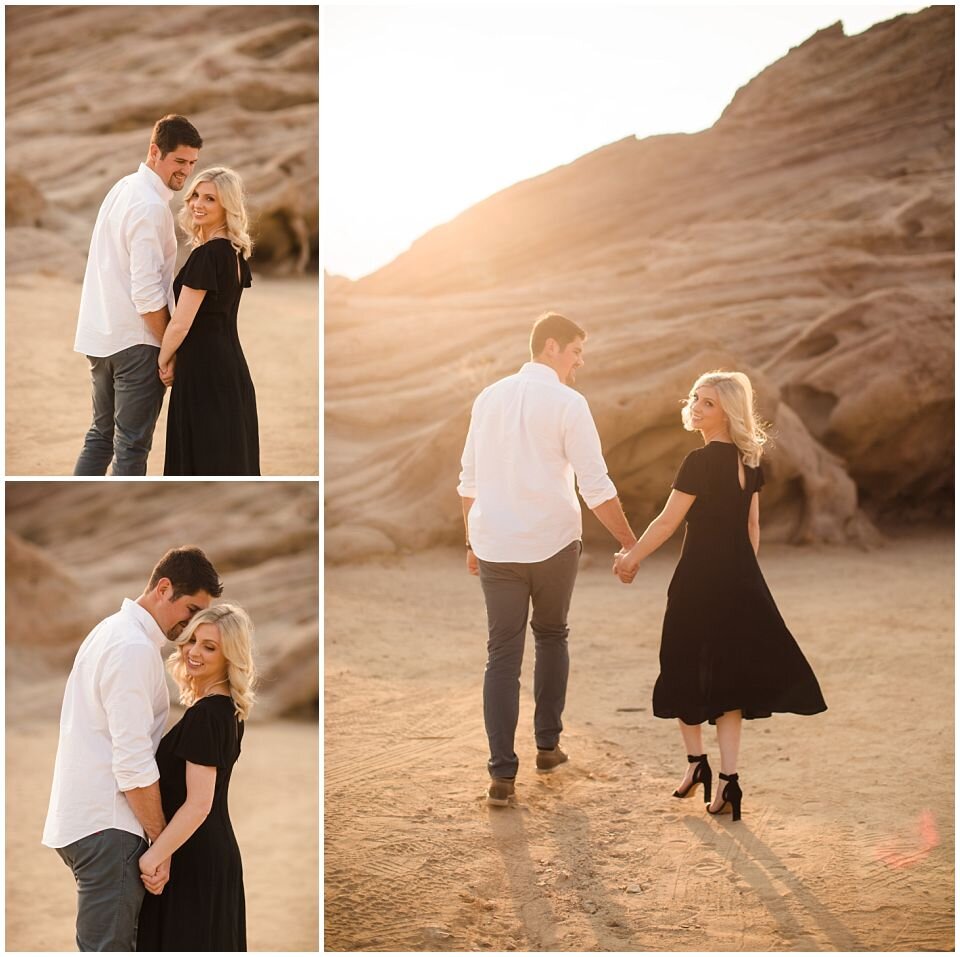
(48, 384)
(278, 768)
(847, 837)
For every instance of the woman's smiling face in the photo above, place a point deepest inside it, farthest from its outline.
(205, 207)
(203, 656)
(706, 415)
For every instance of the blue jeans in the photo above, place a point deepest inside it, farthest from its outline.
(127, 396)
(508, 590)
(106, 865)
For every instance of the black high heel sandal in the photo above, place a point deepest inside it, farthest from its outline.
(731, 795)
(701, 775)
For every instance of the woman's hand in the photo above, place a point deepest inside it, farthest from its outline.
(154, 873)
(626, 565)
(166, 371)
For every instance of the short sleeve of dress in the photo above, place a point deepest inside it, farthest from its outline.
(203, 739)
(246, 279)
(200, 269)
(692, 478)
(759, 480)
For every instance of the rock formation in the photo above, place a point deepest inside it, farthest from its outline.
(75, 550)
(86, 84)
(806, 239)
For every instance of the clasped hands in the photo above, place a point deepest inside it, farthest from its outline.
(625, 567)
(153, 873)
(166, 372)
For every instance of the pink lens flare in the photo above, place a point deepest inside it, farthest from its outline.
(907, 852)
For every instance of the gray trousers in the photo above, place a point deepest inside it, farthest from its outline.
(509, 588)
(106, 866)
(127, 396)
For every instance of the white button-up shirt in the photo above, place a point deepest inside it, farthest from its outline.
(114, 710)
(529, 436)
(133, 253)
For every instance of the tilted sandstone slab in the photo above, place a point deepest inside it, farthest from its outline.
(806, 239)
(79, 115)
(75, 550)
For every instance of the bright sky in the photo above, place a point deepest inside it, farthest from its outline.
(426, 110)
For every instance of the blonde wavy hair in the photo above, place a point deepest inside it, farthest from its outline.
(229, 189)
(236, 642)
(735, 393)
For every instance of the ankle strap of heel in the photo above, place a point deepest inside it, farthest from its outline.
(696, 758)
(729, 777)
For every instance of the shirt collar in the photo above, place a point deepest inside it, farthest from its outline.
(155, 183)
(149, 624)
(540, 371)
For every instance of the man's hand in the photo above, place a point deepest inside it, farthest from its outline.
(166, 372)
(157, 321)
(154, 876)
(625, 567)
(473, 566)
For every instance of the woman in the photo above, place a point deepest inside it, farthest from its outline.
(202, 907)
(725, 653)
(212, 415)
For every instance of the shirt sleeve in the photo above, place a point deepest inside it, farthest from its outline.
(203, 738)
(692, 478)
(200, 269)
(582, 447)
(468, 475)
(147, 289)
(127, 683)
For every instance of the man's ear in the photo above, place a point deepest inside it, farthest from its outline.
(551, 348)
(163, 588)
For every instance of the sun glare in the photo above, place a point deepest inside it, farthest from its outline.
(428, 110)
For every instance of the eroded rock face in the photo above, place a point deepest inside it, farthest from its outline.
(47, 607)
(81, 105)
(806, 239)
(75, 550)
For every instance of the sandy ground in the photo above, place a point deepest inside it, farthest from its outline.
(278, 769)
(48, 385)
(847, 837)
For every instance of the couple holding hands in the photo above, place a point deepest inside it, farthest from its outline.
(725, 652)
(133, 810)
(143, 329)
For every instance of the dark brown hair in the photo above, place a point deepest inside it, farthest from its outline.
(551, 325)
(189, 571)
(172, 131)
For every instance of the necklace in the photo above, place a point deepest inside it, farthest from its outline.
(206, 693)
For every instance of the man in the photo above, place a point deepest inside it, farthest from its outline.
(126, 302)
(529, 435)
(106, 796)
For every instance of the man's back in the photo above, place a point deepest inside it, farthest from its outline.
(529, 434)
(115, 706)
(130, 266)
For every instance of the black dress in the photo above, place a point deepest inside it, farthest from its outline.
(724, 645)
(212, 415)
(202, 908)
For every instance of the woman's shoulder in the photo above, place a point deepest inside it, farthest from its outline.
(213, 705)
(720, 448)
(696, 455)
(218, 248)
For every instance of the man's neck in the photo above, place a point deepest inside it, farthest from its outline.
(146, 163)
(543, 362)
(147, 605)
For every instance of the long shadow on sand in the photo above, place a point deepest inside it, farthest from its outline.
(534, 908)
(760, 867)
